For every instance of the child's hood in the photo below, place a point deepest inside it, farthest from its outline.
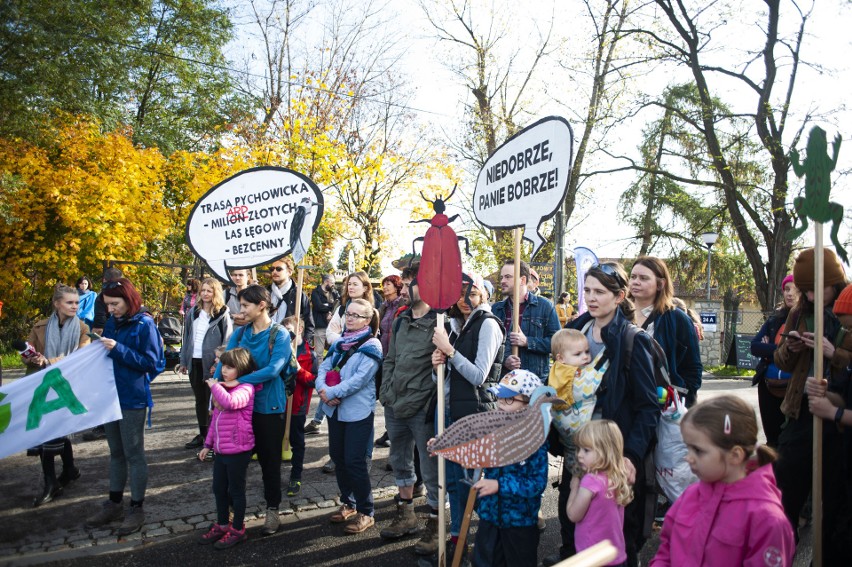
(758, 484)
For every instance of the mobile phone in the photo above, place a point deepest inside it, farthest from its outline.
(791, 337)
(94, 336)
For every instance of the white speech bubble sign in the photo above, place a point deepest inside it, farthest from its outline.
(254, 217)
(524, 181)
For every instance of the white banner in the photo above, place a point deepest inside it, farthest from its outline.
(585, 259)
(76, 393)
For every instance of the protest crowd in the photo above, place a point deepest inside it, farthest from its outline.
(255, 355)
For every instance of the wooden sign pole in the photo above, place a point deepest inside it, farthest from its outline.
(816, 490)
(516, 296)
(442, 471)
(286, 450)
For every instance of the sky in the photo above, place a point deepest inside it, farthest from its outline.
(439, 99)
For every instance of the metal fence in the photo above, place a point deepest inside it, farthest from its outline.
(738, 328)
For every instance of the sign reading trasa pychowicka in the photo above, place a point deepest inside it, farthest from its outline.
(254, 217)
(524, 181)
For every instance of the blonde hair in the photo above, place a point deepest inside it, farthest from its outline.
(604, 437)
(366, 305)
(564, 337)
(218, 296)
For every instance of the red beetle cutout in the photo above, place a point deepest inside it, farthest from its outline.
(439, 279)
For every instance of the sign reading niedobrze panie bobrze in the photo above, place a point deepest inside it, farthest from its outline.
(524, 181)
(255, 217)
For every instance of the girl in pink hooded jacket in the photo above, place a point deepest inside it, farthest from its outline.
(230, 435)
(733, 516)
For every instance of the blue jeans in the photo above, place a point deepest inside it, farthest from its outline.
(126, 440)
(347, 442)
(404, 434)
(229, 486)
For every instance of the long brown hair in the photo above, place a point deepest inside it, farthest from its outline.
(615, 285)
(368, 288)
(665, 292)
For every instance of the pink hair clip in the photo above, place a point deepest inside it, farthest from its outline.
(727, 424)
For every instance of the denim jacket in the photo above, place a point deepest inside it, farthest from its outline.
(538, 322)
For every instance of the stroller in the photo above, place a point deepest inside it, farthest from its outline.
(171, 329)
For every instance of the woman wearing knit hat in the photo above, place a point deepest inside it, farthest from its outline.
(772, 382)
(795, 443)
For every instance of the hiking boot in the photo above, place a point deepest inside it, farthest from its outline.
(428, 543)
(110, 512)
(358, 523)
(419, 490)
(328, 468)
(382, 441)
(313, 428)
(231, 538)
(214, 534)
(95, 434)
(272, 522)
(404, 523)
(196, 443)
(133, 521)
(68, 476)
(343, 514)
(294, 487)
(432, 560)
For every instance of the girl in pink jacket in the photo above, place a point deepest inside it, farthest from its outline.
(231, 437)
(733, 516)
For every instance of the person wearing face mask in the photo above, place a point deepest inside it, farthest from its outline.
(53, 339)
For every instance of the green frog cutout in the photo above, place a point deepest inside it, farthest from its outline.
(815, 204)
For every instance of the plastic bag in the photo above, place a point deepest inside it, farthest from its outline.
(673, 473)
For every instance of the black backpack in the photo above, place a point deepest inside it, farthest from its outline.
(658, 358)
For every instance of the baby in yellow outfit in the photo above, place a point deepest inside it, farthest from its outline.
(570, 349)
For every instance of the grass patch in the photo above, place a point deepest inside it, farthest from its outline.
(724, 371)
(11, 360)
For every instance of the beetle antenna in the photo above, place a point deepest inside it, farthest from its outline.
(452, 192)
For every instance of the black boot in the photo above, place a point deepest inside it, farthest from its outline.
(52, 489)
(70, 473)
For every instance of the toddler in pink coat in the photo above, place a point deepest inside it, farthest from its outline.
(733, 515)
(230, 435)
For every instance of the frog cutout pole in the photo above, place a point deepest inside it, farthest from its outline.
(439, 282)
(816, 168)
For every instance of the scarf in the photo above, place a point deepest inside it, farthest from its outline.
(63, 341)
(372, 347)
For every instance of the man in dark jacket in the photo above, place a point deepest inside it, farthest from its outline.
(322, 303)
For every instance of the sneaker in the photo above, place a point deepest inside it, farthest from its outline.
(293, 487)
(272, 522)
(383, 441)
(110, 512)
(404, 523)
(428, 542)
(95, 434)
(68, 476)
(196, 443)
(231, 538)
(328, 468)
(343, 514)
(358, 523)
(133, 521)
(213, 535)
(419, 490)
(313, 428)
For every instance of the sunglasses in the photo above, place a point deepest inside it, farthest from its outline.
(276, 269)
(611, 272)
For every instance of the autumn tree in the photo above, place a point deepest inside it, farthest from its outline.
(767, 73)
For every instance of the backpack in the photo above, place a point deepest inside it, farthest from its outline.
(288, 372)
(659, 362)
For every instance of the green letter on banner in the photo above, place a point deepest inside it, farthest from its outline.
(39, 407)
(5, 414)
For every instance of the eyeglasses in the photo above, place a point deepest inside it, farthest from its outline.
(112, 285)
(276, 269)
(355, 316)
(611, 272)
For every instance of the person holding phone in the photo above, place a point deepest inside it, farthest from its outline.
(53, 339)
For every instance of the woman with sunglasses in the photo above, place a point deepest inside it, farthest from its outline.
(207, 327)
(136, 349)
(652, 293)
(627, 394)
(346, 386)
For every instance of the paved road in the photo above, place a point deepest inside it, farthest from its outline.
(180, 487)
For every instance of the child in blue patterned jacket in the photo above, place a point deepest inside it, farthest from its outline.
(510, 496)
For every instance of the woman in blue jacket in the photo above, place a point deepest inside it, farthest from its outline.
(627, 394)
(652, 291)
(136, 349)
(269, 345)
